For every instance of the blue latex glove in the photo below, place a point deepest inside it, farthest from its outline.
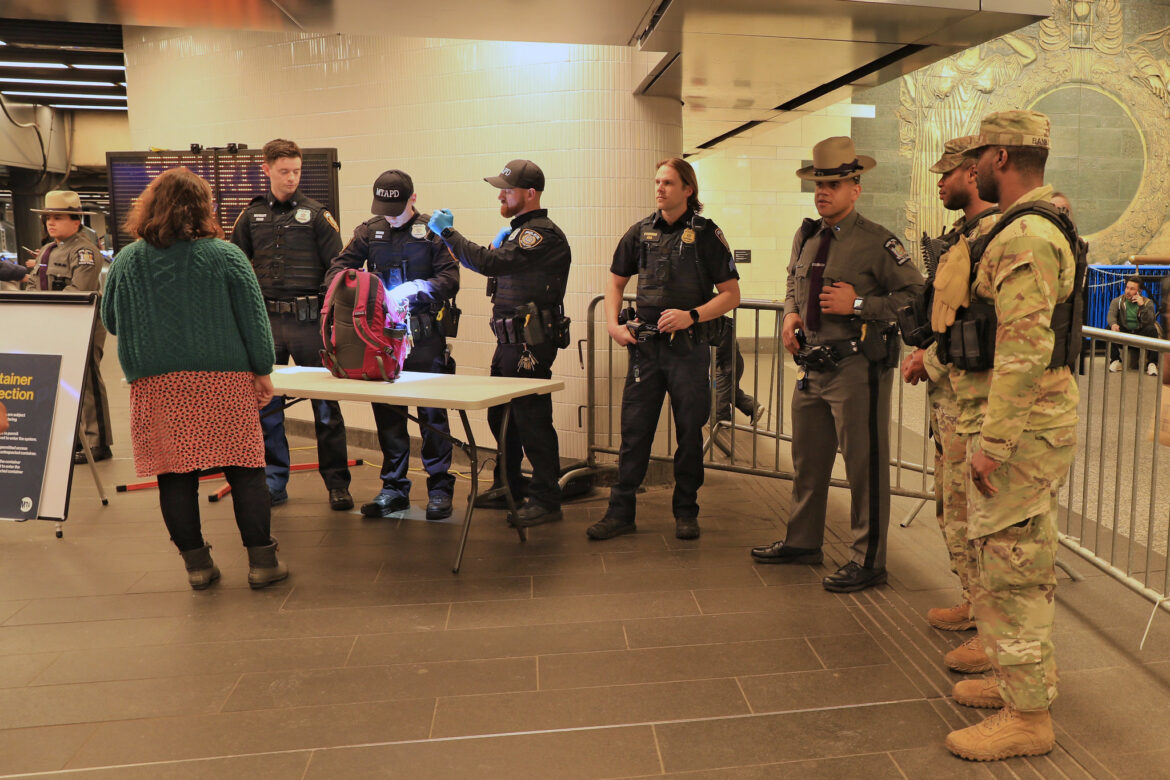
(399, 297)
(501, 236)
(440, 221)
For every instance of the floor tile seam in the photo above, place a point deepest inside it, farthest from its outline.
(1078, 752)
(893, 760)
(652, 724)
(914, 669)
(938, 680)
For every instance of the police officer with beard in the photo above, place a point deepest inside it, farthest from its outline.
(417, 271)
(290, 239)
(529, 265)
(678, 256)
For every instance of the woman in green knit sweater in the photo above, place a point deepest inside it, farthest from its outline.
(195, 345)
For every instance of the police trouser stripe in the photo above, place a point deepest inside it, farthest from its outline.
(99, 401)
(875, 466)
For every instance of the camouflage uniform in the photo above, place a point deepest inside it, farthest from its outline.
(950, 459)
(1023, 416)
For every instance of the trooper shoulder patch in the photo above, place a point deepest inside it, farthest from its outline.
(529, 238)
(418, 230)
(85, 257)
(328, 218)
(897, 251)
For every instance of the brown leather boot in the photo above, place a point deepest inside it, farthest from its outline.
(1005, 734)
(980, 692)
(969, 657)
(956, 618)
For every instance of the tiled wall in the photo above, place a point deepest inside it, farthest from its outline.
(750, 189)
(447, 112)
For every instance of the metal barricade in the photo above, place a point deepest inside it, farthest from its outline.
(1115, 504)
(747, 448)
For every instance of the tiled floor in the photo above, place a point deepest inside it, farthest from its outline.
(557, 658)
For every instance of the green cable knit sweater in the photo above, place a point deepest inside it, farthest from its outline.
(194, 306)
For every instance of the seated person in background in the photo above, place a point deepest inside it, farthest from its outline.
(1132, 312)
(728, 374)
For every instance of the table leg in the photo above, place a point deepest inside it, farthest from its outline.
(501, 448)
(473, 457)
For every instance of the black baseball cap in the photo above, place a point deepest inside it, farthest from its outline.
(392, 192)
(520, 175)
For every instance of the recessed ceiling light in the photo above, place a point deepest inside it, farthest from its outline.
(95, 108)
(53, 65)
(100, 67)
(58, 82)
(63, 95)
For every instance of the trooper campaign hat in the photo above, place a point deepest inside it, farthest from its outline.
(392, 192)
(1013, 128)
(518, 175)
(62, 202)
(952, 156)
(835, 159)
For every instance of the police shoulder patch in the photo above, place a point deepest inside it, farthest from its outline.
(722, 239)
(896, 250)
(418, 230)
(529, 238)
(85, 257)
(329, 218)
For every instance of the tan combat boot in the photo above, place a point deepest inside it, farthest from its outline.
(956, 618)
(969, 657)
(980, 692)
(1005, 734)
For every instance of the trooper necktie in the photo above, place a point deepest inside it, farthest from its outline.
(816, 278)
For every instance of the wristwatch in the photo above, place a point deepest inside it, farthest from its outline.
(694, 315)
(857, 306)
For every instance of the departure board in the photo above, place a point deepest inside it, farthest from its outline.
(235, 178)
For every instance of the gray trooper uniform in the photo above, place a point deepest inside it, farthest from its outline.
(849, 405)
(75, 265)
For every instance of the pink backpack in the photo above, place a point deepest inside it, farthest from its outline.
(363, 337)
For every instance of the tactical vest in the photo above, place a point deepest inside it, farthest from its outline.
(284, 248)
(400, 254)
(671, 274)
(535, 284)
(970, 343)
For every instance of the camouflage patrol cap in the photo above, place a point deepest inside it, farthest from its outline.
(1013, 128)
(953, 154)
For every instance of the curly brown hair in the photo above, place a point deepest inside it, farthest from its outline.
(176, 206)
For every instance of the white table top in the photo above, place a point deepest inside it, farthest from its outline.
(447, 391)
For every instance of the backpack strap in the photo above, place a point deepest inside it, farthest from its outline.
(328, 350)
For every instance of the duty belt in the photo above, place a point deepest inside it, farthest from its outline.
(305, 307)
(827, 355)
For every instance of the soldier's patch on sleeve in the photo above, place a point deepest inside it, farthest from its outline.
(529, 239)
(897, 251)
(84, 257)
(332, 222)
(723, 239)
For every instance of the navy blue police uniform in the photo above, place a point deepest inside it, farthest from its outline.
(411, 254)
(290, 244)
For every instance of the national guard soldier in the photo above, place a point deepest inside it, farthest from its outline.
(957, 191)
(678, 257)
(846, 280)
(290, 239)
(74, 264)
(419, 272)
(1008, 317)
(529, 265)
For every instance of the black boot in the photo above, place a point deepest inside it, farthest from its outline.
(201, 570)
(263, 568)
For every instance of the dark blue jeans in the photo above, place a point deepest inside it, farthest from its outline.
(429, 356)
(302, 341)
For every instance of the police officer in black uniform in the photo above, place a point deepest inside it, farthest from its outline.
(290, 239)
(418, 271)
(529, 265)
(678, 257)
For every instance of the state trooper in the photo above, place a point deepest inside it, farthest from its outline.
(678, 257)
(847, 278)
(291, 239)
(418, 272)
(957, 191)
(73, 263)
(1007, 311)
(529, 264)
